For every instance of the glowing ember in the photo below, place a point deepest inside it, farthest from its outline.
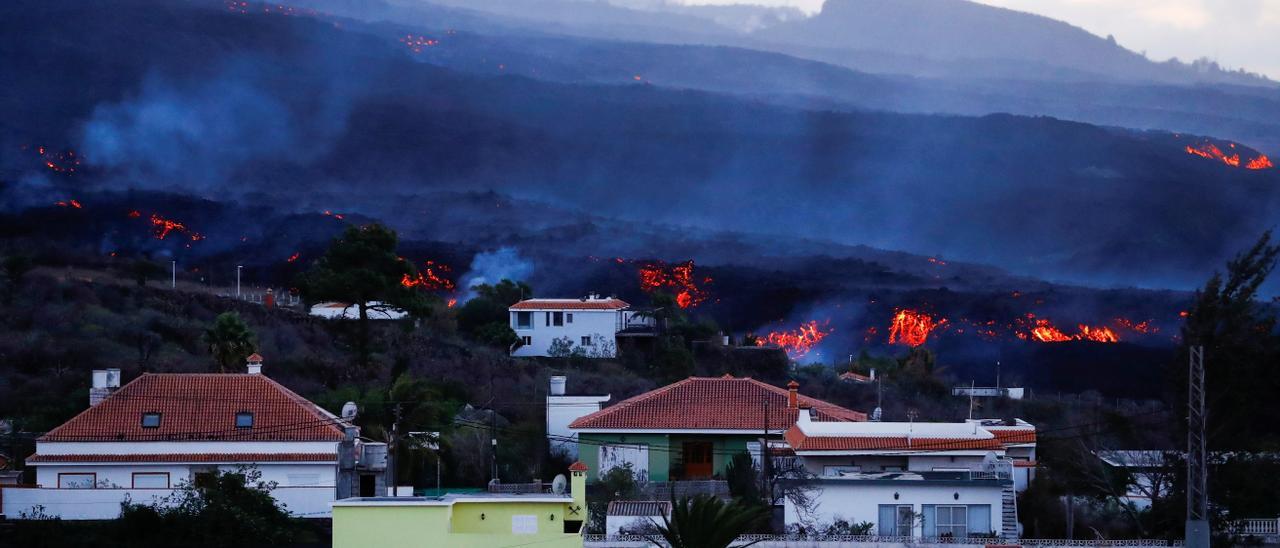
(1261, 162)
(911, 327)
(797, 342)
(417, 43)
(337, 216)
(135, 214)
(1144, 327)
(294, 257)
(432, 278)
(937, 261)
(68, 203)
(452, 302)
(57, 162)
(677, 277)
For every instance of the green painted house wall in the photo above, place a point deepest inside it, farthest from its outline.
(664, 450)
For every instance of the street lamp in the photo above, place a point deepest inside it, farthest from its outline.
(238, 267)
(173, 274)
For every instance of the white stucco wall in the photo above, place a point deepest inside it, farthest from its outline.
(85, 504)
(121, 475)
(563, 410)
(586, 323)
(858, 501)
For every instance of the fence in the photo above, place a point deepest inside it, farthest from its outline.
(853, 541)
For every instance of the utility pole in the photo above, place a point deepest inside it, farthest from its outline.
(1197, 526)
(764, 456)
(392, 461)
(238, 267)
(173, 274)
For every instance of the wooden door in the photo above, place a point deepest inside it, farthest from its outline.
(697, 458)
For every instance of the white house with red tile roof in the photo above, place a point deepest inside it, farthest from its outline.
(590, 325)
(160, 431)
(691, 429)
(920, 479)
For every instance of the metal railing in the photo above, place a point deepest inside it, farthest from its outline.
(606, 540)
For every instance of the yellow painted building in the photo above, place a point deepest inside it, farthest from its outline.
(483, 520)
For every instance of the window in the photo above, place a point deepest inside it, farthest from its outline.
(555, 318)
(586, 340)
(896, 520)
(77, 481)
(952, 521)
(840, 470)
(150, 480)
(151, 420)
(244, 419)
(524, 320)
(568, 317)
(526, 340)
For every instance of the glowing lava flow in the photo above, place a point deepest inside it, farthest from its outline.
(1212, 152)
(1261, 162)
(162, 227)
(677, 277)
(797, 342)
(911, 327)
(294, 257)
(337, 216)
(68, 203)
(432, 278)
(1043, 330)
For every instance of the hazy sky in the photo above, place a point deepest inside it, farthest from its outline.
(1237, 33)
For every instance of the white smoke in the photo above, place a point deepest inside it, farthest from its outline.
(491, 267)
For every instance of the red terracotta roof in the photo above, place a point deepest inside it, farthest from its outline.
(851, 376)
(1013, 436)
(570, 304)
(195, 406)
(578, 466)
(255, 357)
(188, 457)
(1024, 464)
(801, 442)
(711, 403)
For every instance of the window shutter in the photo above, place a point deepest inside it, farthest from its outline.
(888, 520)
(979, 519)
(929, 520)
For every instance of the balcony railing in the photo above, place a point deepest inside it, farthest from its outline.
(1256, 527)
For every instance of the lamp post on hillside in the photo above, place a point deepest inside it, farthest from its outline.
(238, 267)
(173, 274)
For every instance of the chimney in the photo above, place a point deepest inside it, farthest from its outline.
(557, 384)
(873, 373)
(105, 381)
(793, 398)
(255, 363)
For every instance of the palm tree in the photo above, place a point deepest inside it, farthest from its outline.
(708, 522)
(230, 340)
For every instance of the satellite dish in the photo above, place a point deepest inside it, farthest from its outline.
(875, 415)
(989, 461)
(349, 410)
(559, 484)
